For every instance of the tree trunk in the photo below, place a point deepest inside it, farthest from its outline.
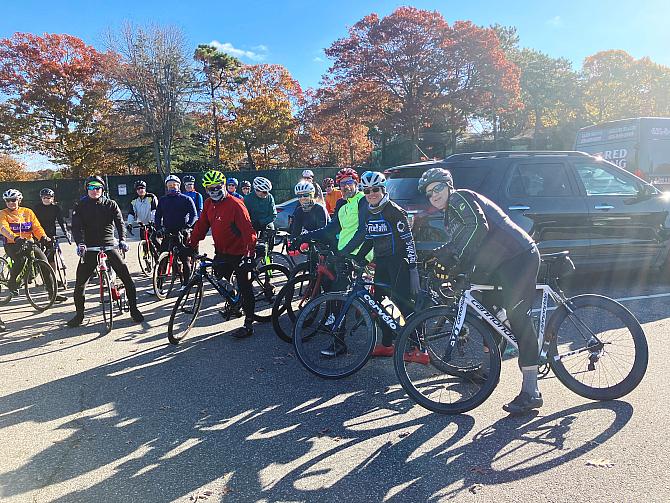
(415, 142)
(538, 129)
(215, 123)
(157, 156)
(495, 132)
(250, 158)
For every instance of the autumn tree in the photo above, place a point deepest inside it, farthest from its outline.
(56, 98)
(12, 169)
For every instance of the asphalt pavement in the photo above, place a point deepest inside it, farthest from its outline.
(126, 416)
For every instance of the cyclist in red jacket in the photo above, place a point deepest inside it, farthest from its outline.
(234, 241)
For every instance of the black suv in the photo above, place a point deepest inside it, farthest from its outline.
(606, 216)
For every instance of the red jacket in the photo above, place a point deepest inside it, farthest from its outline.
(230, 224)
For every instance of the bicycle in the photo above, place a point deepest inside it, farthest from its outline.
(265, 253)
(297, 262)
(189, 301)
(37, 278)
(61, 268)
(111, 291)
(166, 271)
(147, 253)
(576, 342)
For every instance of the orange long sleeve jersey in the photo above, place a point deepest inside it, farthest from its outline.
(21, 222)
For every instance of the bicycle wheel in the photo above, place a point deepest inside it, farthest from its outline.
(145, 258)
(61, 270)
(461, 374)
(40, 284)
(4, 270)
(185, 311)
(106, 301)
(290, 300)
(266, 282)
(598, 350)
(353, 341)
(164, 275)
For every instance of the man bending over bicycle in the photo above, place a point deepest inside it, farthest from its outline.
(48, 213)
(483, 237)
(94, 219)
(175, 215)
(234, 241)
(16, 226)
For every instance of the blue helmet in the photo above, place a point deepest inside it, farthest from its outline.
(232, 181)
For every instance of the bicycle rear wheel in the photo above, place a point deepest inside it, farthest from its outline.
(61, 269)
(40, 284)
(185, 311)
(164, 275)
(4, 270)
(266, 282)
(352, 342)
(291, 299)
(598, 350)
(145, 258)
(106, 301)
(460, 373)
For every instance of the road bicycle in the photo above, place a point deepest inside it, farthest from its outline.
(147, 253)
(112, 292)
(61, 268)
(265, 254)
(266, 280)
(296, 262)
(167, 268)
(593, 345)
(36, 276)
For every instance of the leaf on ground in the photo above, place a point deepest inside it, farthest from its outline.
(226, 490)
(204, 412)
(479, 469)
(207, 493)
(324, 431)
(404, 434)
(474, 489)
(260, 369)
(600, 463)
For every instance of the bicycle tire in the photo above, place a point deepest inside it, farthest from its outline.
(304, 342)
(40, 295)
(560, 334)
(4, 270)
(176, 335)
(290, 300)
(61, 269)
(429, 387)
(163, 283)
(266, 282)
(145, 258)
(107, 301)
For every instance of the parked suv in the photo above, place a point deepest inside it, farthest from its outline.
(606, 216)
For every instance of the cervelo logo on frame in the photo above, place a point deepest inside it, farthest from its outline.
(382, 314)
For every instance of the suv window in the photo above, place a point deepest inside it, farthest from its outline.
(469, 176)
(539, 180)
(598, 180)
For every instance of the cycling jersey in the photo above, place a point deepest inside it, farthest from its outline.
(142, 209)
(175, 212)
(48, 215)
(331, 200)
(310, 220)
(21, 222)
(197, 200)
(236, 194)
(262, 211)
(94, 220)
(231, 227)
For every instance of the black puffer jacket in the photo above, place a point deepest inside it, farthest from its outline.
(93, 222)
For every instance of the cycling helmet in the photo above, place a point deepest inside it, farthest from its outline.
(346, 173)
(140, 183)
(172, 178)
(189, 179)
(304, 188)
(245, 183)
(435, 175)
(232, 181)
(262, 184)
(94, 180)
(328, 182)
(47, 192)
(308, 173)
(372, 179)
(213, 177)
(12, 194)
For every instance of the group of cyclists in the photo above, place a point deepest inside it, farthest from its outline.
(353, 214)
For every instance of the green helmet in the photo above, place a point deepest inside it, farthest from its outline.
(213, 177)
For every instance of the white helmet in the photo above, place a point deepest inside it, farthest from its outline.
(304, 188)
(172, 178)
(12, 194)
(262, 184)
(372, 179)
(308, 173)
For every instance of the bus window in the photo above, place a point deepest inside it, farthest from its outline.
(659, 155)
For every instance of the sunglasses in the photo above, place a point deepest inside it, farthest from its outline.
(305, 196)
(11, 200)
(47, 197)
(436, 190)
(94, 187)
(262, 191)
(214, 188)
(371, 190)
(347, 182)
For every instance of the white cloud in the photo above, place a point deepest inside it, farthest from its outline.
(555, 21)
(318, 60)
(257, 55)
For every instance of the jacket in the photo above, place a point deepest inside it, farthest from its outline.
(21, 222)
(142, 209)
(94, 221)
(262, 211)
(175, 212)
(48, 215)
(197, 200)
(331, 200)
(310, 220)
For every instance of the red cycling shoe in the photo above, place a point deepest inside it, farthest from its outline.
(383, 351)
(416, 356)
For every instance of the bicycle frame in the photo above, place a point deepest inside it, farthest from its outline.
(202, 271)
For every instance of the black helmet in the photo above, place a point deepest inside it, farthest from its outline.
(94, 179)
(435, 175)
(188, 179)
(140, 183)
(46, 192)
(245, 183)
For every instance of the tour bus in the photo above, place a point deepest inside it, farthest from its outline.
(640, 145)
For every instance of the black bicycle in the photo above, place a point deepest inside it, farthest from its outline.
(38, 280)
(168, 266)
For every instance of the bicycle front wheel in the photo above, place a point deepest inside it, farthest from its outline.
(4, 270)
(185, 311)
(329, 353)
(442, 371)
(61, 270)
(291, 299)
(145, 258)
(597, 348)
(40, 284)
(164, 275)
(266, 282)
(106, 301)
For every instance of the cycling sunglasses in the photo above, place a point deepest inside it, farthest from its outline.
(373, 189)
(304, 196)
(436, 190)
(95, 187)
(11, 200)
(214, 188)
(348, 182)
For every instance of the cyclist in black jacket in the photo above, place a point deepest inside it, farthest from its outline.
(94, 219)
(48, 213)
(308, 215)
(483, 237)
